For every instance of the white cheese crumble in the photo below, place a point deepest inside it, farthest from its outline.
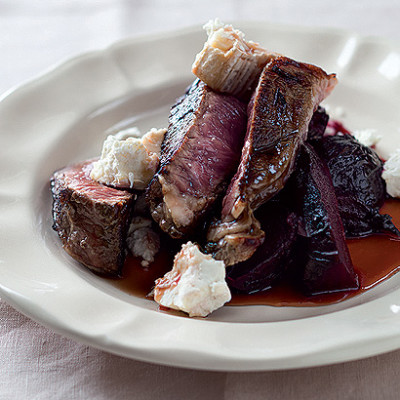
(128, 161)
(196, 284)
(391, 174)
(142, 241)
(367, 137)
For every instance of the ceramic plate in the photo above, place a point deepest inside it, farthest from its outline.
(64, 115)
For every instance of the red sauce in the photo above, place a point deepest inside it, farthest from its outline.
(375, 258)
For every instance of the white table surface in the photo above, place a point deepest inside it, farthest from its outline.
(36, 363)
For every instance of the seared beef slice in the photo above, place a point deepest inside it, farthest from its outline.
(200, 153)
(91, 219)
(279, 112)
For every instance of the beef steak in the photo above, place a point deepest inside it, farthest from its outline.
(199, 155)
(280, 111)
(91, 219)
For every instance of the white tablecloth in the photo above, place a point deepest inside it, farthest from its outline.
(39, 364)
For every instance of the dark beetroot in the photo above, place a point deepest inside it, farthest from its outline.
(318, 123)
(327, 266)
(271, 259)
(360, 190)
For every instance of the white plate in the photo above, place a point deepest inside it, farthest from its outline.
(64, 115)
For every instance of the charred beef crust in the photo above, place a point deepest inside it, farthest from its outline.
(279, 112)
(198, 157)
(91, 219)
(234, 240)
(356, 172)
(182, 116)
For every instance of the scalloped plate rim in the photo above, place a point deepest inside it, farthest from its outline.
(182, 358)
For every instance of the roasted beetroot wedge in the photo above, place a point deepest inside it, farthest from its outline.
(91, 219)
(271, 259)
(356, 176)
(318, 123)
(327, 264)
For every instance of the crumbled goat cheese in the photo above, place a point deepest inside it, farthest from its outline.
(196, 284)
(142, 241)
(128, 161)
(391, 174)
(367, 137)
